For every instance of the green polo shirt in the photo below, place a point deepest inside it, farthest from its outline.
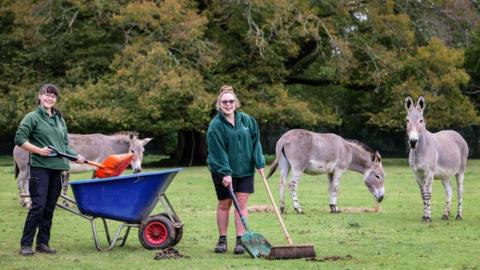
(42, 130)
(234, 150)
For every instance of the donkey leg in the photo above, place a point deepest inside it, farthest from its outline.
(333, 187)
(283, 182)
(293, 191)
(284, 169)
(65, 181)
(448, 193)
(23, 189)
(460, 177)
(426, 190)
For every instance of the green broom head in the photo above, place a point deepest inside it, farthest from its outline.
(255, 244)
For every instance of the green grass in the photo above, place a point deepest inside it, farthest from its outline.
(394, 238)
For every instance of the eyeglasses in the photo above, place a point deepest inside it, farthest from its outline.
(52, 96)
(225, 102)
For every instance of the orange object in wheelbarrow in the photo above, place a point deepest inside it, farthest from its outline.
(112, 166)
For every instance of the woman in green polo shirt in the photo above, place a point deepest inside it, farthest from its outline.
(39, 129)
(234, 151)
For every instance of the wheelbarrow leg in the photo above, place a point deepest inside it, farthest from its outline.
(107, 233)
(111, 242)
(170, 211)
(115, 237)
(124, 240)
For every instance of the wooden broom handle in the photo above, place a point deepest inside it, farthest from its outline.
(282, 224)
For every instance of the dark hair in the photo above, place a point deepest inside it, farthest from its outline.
(49, 88)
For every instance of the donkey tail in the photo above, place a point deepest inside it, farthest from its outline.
(17, 170)
(273, 167)
(279, 151)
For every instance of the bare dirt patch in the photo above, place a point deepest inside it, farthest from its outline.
(269, 209)
(375, 209)
(261, 209)
(329, 258)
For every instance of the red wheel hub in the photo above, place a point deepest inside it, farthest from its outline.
(156, 233)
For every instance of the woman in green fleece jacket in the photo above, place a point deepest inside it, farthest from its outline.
(234, 152)
(39, 129)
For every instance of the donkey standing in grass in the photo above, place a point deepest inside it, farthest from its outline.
(95, 147)
(438, 155)
(315, 153)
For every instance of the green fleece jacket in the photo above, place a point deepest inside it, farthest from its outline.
(234, 150)
(41, 130)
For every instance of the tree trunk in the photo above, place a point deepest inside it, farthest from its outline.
(475, 142)
(191, 149)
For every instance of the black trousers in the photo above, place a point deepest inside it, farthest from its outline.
(45, 187)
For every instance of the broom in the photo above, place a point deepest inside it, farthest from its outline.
(291, 251)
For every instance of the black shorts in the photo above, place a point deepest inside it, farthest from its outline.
(240, 184)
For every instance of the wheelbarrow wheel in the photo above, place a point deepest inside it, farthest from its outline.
(156, 233)
(178, 231)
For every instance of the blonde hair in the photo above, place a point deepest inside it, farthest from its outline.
(226, 89)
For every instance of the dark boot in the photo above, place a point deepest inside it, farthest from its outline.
(45, 249)
(221, 245)
(26, 251)
(239, 249)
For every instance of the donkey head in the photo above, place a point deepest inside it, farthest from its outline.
(137, 148)
(415, 121)
(374, 178)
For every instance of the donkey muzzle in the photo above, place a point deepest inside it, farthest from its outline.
(412, 143)
(379, 194)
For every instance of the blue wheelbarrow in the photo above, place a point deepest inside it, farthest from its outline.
(129, 199)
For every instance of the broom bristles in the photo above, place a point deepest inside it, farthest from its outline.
(292, 252)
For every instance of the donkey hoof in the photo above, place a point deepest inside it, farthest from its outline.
(426, 219)
(334, 209)
(66, 204)
(445, 217)
(27, 205)
(282, 210)
(299, 211)
(458, 217)
(26, 202)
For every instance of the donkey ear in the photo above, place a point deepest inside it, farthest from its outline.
(408, 103)
(376, 158)
(421, 103)
(146, 140)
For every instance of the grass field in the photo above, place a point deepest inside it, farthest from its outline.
(394, 238)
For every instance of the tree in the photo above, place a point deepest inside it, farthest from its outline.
(157, 87)
(62, 42)
(436, 73)
(155, 66)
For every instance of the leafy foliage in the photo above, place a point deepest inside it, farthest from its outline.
(155, 66)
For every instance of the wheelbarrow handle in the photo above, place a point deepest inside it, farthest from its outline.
(74, 158)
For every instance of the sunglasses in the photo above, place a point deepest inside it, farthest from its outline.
(230, 101)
